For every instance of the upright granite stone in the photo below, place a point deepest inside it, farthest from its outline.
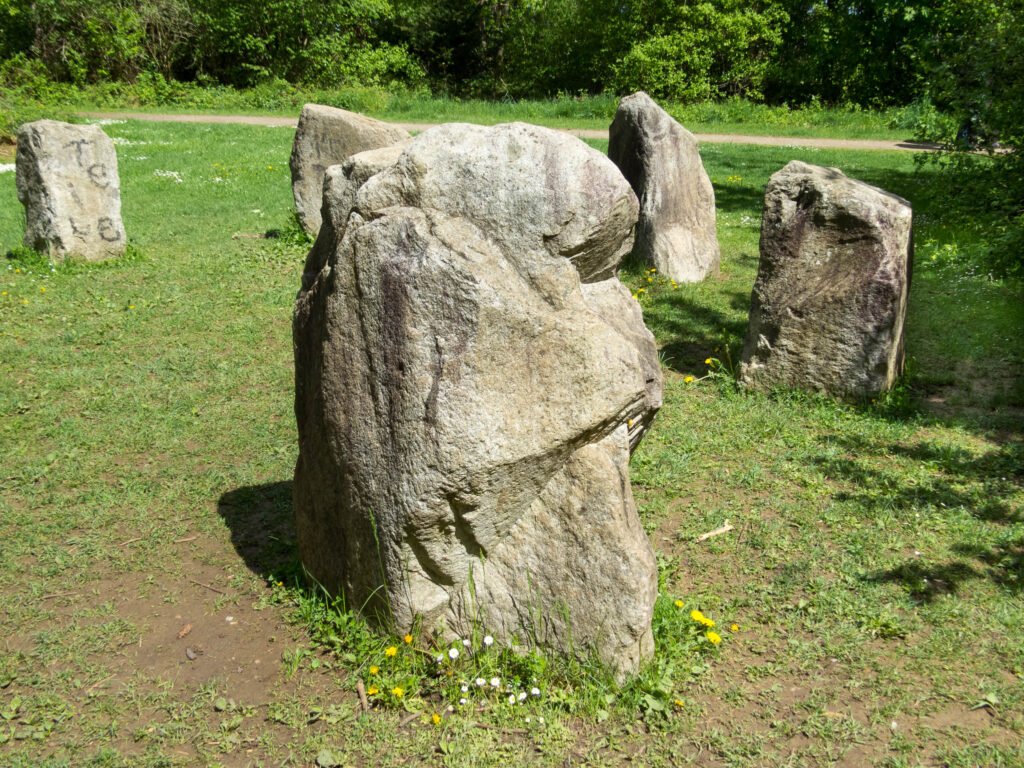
(325, 137)
(831, 291)
(67, 180)
(470, 375)
(676, 233)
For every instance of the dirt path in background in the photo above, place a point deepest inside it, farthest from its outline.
(704, 138)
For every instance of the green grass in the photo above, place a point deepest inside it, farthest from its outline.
(593, 112)
(146, 416)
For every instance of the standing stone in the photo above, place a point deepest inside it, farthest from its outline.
(67, 180)
(325, 137)
(831, 291)
(470, 375)
(676, 233)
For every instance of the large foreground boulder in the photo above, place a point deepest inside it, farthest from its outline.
(830, 297)
(67, 180)
(326, 136)
(470, 375)
(676, 233)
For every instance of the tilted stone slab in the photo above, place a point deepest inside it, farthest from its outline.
(67, 179)
(830, 298)
(676, 232)
(468, 380)
(327, 136)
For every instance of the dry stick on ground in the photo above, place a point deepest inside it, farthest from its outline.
(57, 594)
(207, 586)
(406, 720)
(717, 532)
(361, 690)
(187, 538)
(500, 730)
(130, 541)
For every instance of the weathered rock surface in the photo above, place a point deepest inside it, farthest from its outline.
(469, 376)
(830, 297)
(67, 180)
(327, 136)
(676, 233)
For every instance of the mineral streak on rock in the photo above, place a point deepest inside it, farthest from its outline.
(830, 297)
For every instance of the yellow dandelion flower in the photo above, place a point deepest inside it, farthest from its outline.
(436, 718)
(688, 379)
(708, 622)
(42, 288)
(391, 651)
(714, 637)
(679, 603)
(408, 639)
(697, 616)
(399, 693)
(374, 670)
(678, 702)
(629, 422)
(735, 627)
(5, 293)
(634, 295)
(373, 690)
(707, 361)
(132, 306)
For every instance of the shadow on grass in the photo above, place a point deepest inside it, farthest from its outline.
(984, 485)
(262, 527)
(693, 331)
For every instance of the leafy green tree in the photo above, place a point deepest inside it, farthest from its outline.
(686, 50)
(242, 42)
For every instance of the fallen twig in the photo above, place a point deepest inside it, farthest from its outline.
(57, 594)
(361, 690)
(98, 682)
(187, 538)
(406, 720)
(486, 727)
(717, 532)
(248, 236)
(130, 541)
(207, 586)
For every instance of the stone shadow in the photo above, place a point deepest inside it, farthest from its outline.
(693, 331)
(262, 524)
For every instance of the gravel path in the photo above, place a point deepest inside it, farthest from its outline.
(705, 138)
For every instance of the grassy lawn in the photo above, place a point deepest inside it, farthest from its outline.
(591, 112)
(149, 591)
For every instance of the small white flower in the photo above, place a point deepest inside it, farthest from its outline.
(527, 720)
(488, 640)
(540, 719)
(439, 659)
(480, 682)
(453, 654)
(495, 682)
(535, 691)
(462, 702)
(522, 696)
(466, 643)
(465, 689)
(512, 698)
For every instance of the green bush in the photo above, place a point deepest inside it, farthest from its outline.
(666, 67)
